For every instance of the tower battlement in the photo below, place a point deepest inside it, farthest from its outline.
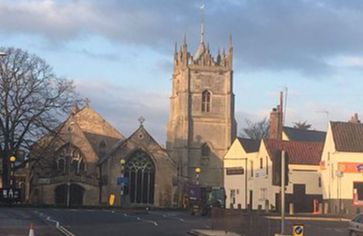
(203, 56)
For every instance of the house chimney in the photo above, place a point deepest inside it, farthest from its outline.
(354, 119)
(276, 121)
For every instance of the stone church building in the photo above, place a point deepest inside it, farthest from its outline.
(79, 164)
(201, 124)
(85, 161)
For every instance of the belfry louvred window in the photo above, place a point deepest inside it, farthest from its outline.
(206, 100)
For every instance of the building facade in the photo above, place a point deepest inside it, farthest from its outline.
(342, 167)
(150, 173)
(236, 172)
(79, 164)
(201, 124)
(250, 175)
(65, 168)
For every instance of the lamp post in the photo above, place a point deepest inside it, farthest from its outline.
(70, 129)
(12, 160)
(5, 160)
(122, 167)
(197, 175)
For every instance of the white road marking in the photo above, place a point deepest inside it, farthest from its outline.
(171, 217)
(142, 220)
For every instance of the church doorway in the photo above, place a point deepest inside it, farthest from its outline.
(140, 171)
(75, 197)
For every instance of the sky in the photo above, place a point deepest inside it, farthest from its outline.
(119, 53)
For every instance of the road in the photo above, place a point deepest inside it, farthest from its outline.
(98, 222)
(118, 222)
(17, 221)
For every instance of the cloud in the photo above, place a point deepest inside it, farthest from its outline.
(299, 35)
(122, 107)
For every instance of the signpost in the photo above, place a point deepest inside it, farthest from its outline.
(9, 194)
(123, 181)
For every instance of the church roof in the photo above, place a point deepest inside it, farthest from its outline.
(249, 145)
(92, 122)
(96, 129)
(348, 136)
(295, 134)
(300, 153)
(140, 136)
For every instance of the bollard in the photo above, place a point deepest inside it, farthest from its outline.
(320, 210)
(326, 208)
(291, 208)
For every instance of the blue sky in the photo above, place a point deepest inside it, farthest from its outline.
(119, 53)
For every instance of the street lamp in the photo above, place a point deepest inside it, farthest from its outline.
(122, 166)
(197, 174)
(4, 160)
(70, 129)
(12, 160)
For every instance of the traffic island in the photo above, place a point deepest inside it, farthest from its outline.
(208, 232)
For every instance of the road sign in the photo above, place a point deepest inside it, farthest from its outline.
(122, 181)
(298, 230)
(9, 194)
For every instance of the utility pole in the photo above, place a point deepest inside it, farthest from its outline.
(283, 192)
(246, 188)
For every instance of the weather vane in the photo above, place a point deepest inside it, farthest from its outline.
(202, 22)
(141, 120)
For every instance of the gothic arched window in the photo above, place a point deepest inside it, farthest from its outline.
(70, 159)
(140, 171)
(206, 100)
(77, 162)
(61, 164)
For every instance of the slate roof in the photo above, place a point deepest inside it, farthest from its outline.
(300, 153)
(250, 145)
(348, 137)
(295, 134)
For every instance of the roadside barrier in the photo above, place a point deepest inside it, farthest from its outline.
(31, 230)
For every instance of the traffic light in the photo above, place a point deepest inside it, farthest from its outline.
(276, 168)
(122, 166)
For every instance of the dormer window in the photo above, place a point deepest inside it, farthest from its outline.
(206, 99)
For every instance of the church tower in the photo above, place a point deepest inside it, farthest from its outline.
(201, 124)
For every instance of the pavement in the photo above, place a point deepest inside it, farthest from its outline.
(206, 232)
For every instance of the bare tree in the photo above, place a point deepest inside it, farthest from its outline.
(32, 102)
(302, 125)
(256, 130)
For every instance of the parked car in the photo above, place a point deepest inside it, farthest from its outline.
(356, 225)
